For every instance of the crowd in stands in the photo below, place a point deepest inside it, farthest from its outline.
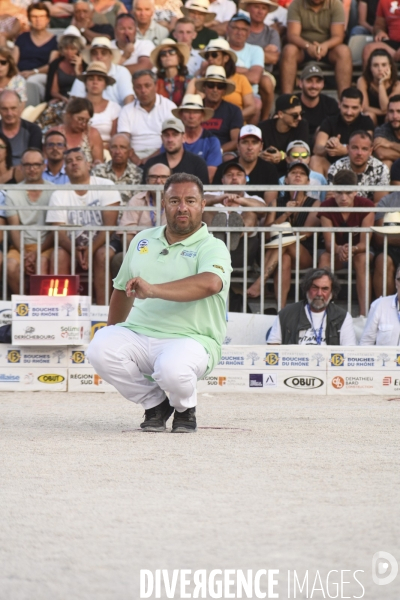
(246, 93)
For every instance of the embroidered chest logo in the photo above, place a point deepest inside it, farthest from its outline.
(188, 254)
(393, 7)
(142, 246)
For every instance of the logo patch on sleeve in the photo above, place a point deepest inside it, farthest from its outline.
(219, 267)
(142, 246)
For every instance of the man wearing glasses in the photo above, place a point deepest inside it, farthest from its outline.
(277, 133)
(32, 165)
(54, 147)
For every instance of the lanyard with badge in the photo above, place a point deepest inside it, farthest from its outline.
(318, 336)
(152, 213)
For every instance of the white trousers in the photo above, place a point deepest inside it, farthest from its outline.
(122, 357)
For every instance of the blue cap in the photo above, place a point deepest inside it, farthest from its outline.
(240, 17)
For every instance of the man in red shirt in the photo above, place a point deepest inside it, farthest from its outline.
(386, 30)
(341, 248)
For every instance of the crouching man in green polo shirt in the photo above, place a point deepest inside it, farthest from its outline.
(178, 278)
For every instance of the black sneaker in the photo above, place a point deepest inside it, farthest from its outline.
(184, 422)
(155, 418)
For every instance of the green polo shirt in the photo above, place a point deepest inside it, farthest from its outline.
(202, 320)
(316, 26)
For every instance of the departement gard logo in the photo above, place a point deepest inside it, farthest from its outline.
(381, 561)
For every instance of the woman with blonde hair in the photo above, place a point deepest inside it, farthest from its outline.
(10, 79)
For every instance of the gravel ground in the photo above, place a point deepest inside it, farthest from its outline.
(284, 482)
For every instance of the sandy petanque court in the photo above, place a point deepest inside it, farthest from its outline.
(305, 485)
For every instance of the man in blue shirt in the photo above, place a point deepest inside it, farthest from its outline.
(197, 140)
(54, 147)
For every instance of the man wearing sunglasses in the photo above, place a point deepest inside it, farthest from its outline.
(277, 133)
(54, 147)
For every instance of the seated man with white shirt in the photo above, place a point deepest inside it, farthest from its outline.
(135, 54)
(315, 320)
(101, 50)
(78, 170)
(142, 119)
(383, 324)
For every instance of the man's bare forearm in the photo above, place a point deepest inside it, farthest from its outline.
(120, 307)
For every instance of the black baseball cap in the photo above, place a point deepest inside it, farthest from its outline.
(228, 165)
(298, 163)
(286, 101)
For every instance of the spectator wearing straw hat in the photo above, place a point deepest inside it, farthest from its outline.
(199, 12)
(101, 50)
(197, 140)
(224, 11)
(135, 53)
(345, 220)
(227, 119)
(175, 156)
(386, 224)
(298, 174)
(383, 323)
(316, 320)
(170, 58)
(218, 53)
(147, 27)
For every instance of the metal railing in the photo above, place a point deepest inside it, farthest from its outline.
(243, 276)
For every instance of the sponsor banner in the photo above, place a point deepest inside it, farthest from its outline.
(24, 379)
(50, 308)
(5, 312)
(99, 316)
(34, 332)
(22, 356)
(283, 381)
(364, 358)
(86, 380)
(274, 357)
(360, 383)
(77, 357)
(247, 328)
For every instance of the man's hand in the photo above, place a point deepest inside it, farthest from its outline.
(274, 157)
(139, 288)
(334, 147)
(30, 262)
(343, 253)
(233, 200)
(312, 51)
(381, 36)
(321, 50)
(82, 253)
(128, 50)
(26, 74)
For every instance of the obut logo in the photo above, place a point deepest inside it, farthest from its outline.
(14, 356)
(50, 378)
(309, 383)
(22, 310)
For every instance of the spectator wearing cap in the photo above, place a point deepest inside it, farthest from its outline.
(218, 53)
(369, 170)
(384, 221)
(83, 19)
(175, 156)
(383, 324)
(143, 118)
(299, 151)
(64, 69)
(258, 172)
(227, 119)
(277, 133)
(185, 33)
(346, 220)
(269, 41)
(199, 12)
(387, 136)
(170, 59)
(197, 140)
(334, 134)
(316, 31)
(224, 11)
(101, 50)
(147, 27)
(316, 106)
(298, 173)
(135, 53)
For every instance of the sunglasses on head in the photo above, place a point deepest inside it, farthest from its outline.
(211, 85)
(299, 154)
(211, 55)
(4, 62)
(168, 52)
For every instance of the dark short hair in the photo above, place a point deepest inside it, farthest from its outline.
(184, 178)
(345, 177)
(352, 92)
(312, 274)
(37, 6)
(77, 105)
(125, 16)
(144, 72)
(184, 21)
(32, 149)
(395, 98)
(54, 132)
(7, 144)
(363, 134)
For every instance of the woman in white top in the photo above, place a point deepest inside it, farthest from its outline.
(383, 323)
(106, 112)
